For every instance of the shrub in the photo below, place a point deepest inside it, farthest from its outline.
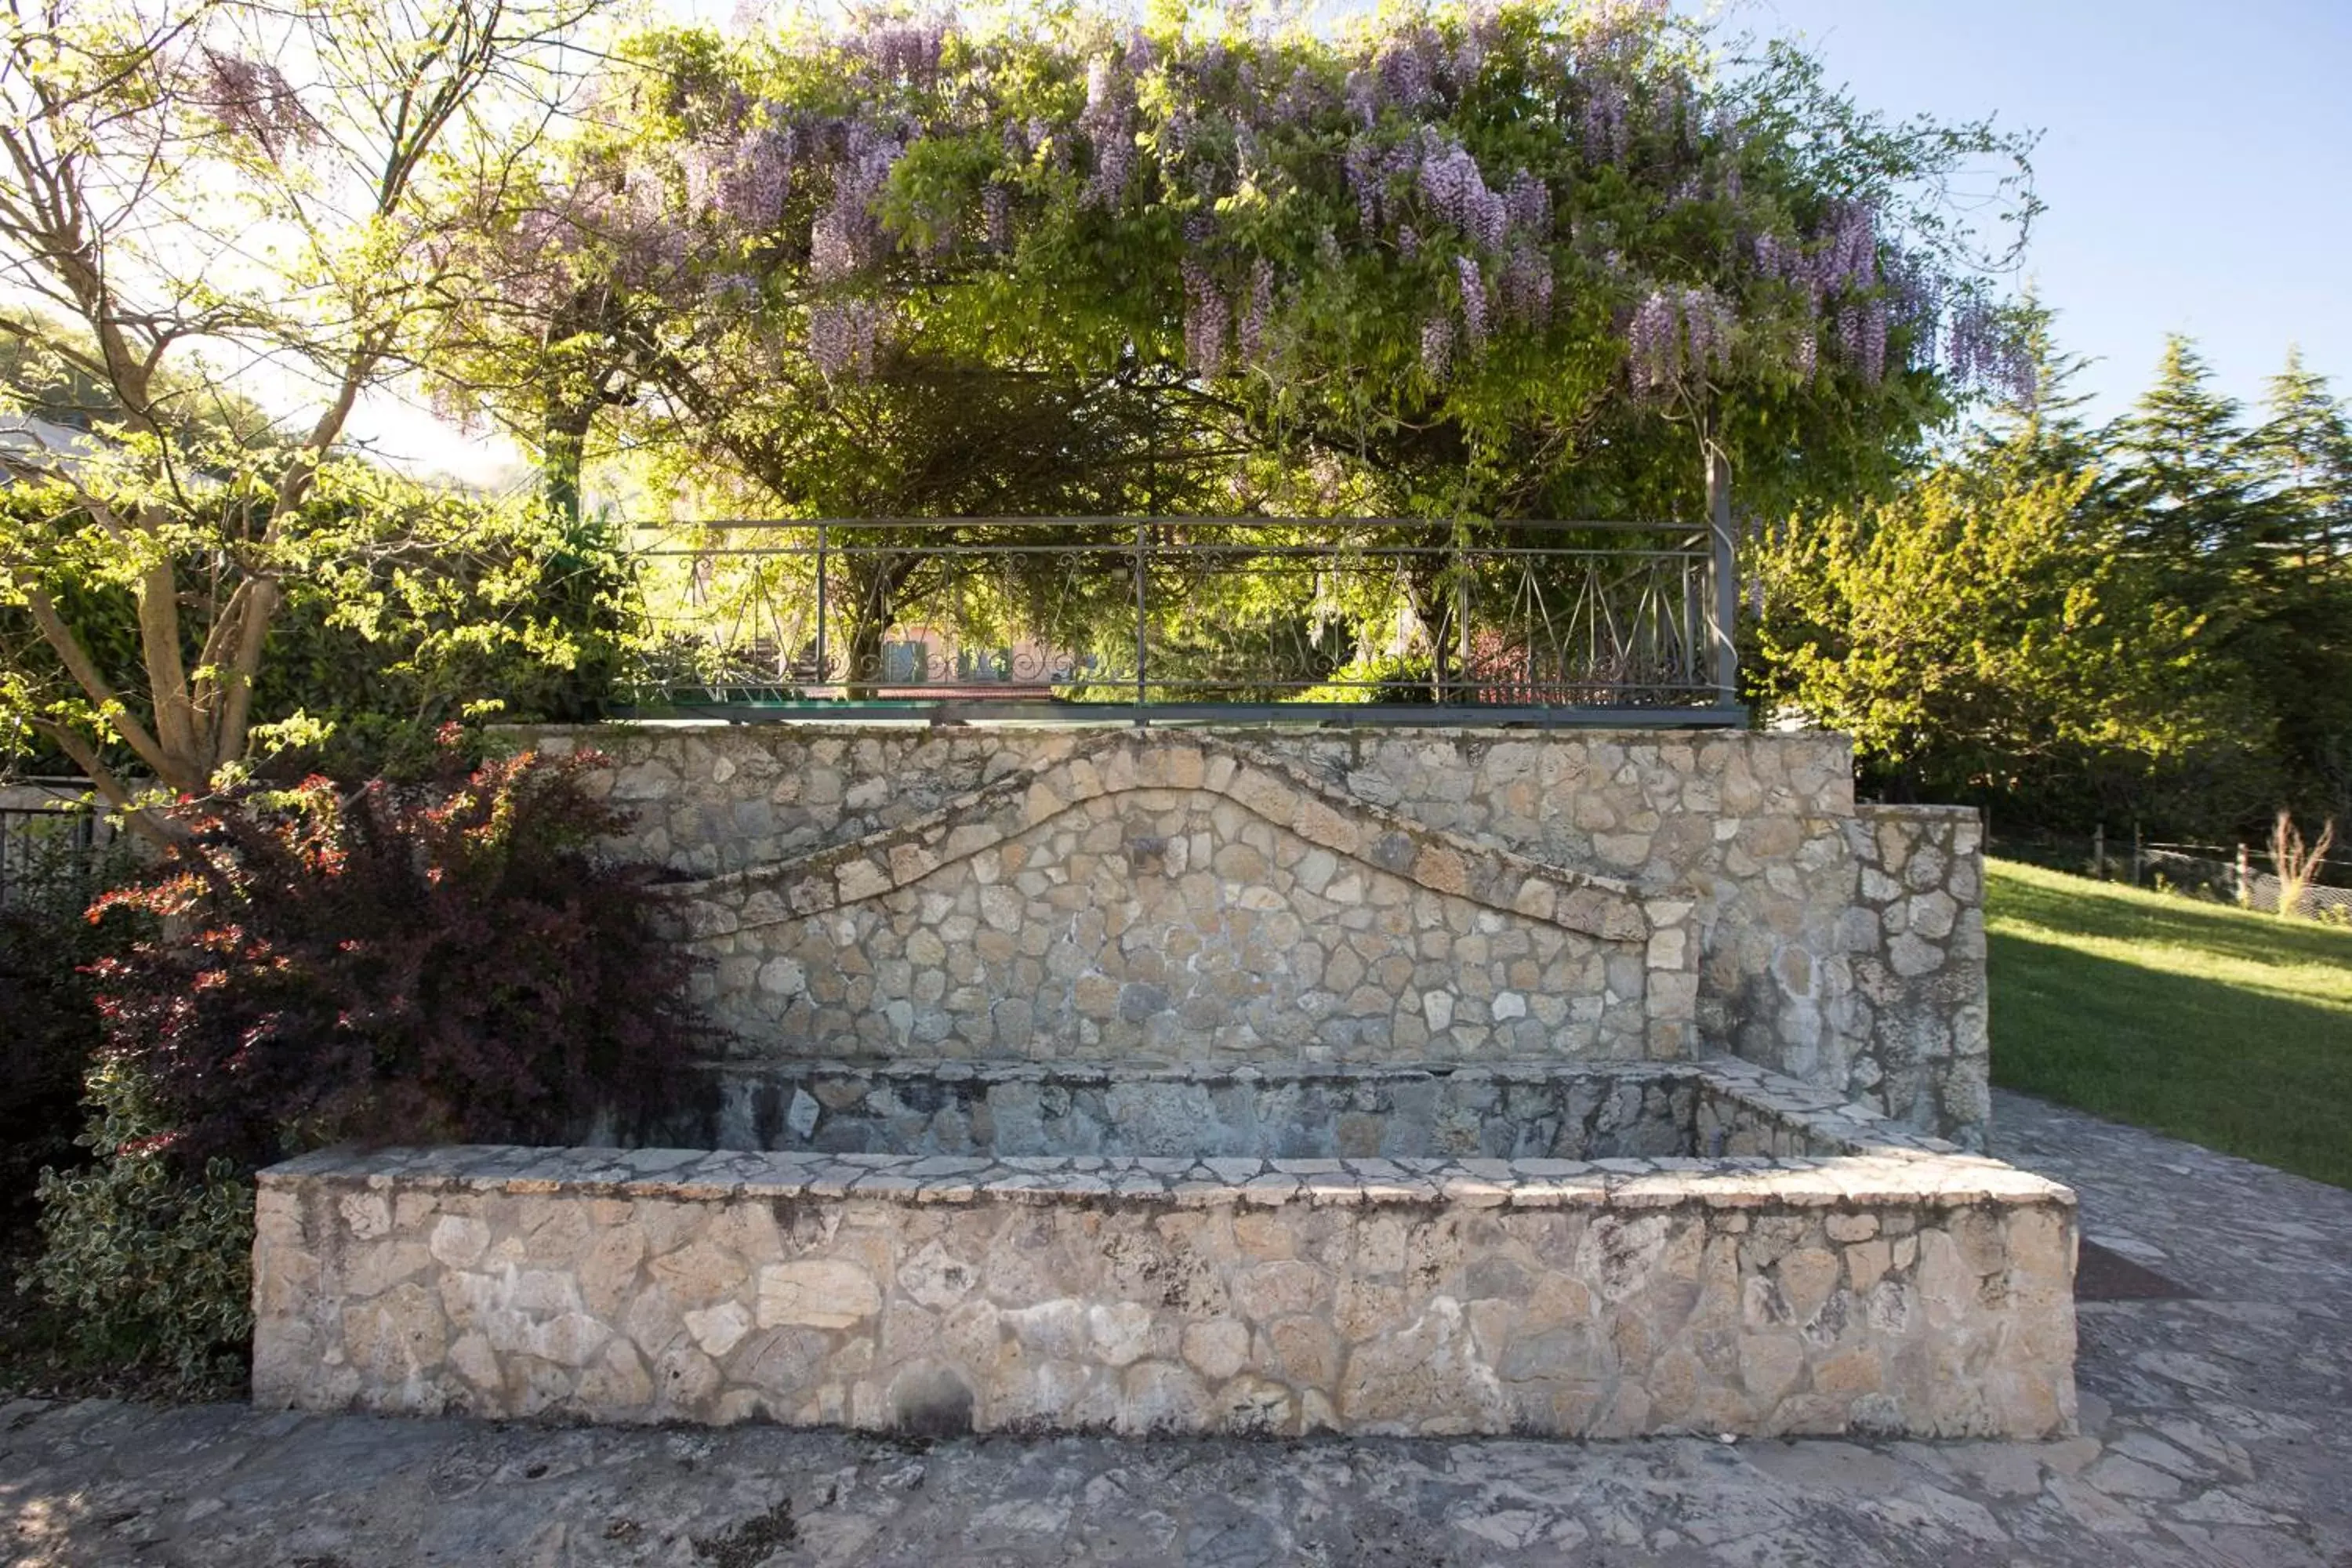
(145, 1262)
(445, 962)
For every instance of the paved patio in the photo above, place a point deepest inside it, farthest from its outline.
(2215, 1430)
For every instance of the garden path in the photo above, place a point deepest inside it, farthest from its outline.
(2213, 1432)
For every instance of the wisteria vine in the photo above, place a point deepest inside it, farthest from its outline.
(1624, 188)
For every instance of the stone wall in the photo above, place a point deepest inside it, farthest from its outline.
(1150, 900)
(1522, 1111)
(1916, 943)
(1749, 842)
(1894, 1290)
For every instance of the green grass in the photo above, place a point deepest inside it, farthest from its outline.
(2225, 1027)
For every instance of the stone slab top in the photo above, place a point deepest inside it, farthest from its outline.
(1880, 1166)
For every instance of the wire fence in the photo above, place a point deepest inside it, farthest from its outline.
(2240, 879)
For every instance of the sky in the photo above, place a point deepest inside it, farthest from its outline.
(2196, 163)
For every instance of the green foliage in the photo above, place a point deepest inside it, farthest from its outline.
(147, 1263)
(414, 609)
(403, 609)
(2152, 622)
(1978, 641)
(182, 204)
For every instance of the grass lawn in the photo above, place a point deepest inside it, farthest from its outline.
(2228, 1029)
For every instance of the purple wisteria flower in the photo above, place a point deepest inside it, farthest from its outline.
(996, 216)
(1250, 334)
(254, 99)
(1529, 202)
(1874, 341)
(1408, 66)
(1853, 248)
(1708, 324)
(846, 237)
(1604, 124)
(901, 49)
(1526, 283)
(1679, 334)
(1436, 347)
(1983, 352)
(1109, 124)
(1362, 164)
(750, 181)
(1474, 303)
(1453, 188)
(842, 335)
(1206, 312)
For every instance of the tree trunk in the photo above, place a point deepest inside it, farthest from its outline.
(563, 445)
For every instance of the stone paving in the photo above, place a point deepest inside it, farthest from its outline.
(2214, 1431)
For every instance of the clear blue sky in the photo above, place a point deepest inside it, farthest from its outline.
(2197, 161)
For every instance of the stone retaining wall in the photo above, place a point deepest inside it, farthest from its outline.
(1887, 1289)
(1523, 1112)
(1749, 842)
(1150, 900)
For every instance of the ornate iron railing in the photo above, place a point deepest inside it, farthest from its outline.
(1163, 614)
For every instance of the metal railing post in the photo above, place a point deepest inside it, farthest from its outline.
(823, 669)
(1725, 598)
(1142, 606)
(1461, 611)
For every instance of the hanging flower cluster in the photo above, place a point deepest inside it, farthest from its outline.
(842, 336)
(1108, 126)
(254, 101)
(1206, 312)
(1492, 164)
(905, 50)
(1983, 351)
(746, 180)
(1679, 334)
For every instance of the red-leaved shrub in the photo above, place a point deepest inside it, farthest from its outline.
(447, 962)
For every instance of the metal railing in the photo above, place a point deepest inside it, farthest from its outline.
(49, 849)
(1164, 615)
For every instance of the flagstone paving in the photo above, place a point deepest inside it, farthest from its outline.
(2214, 1431)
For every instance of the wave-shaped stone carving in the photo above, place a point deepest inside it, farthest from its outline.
(1185, 903)
(1272, 789)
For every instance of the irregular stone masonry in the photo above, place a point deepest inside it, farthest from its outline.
(1165, 902)
(1758, 833)
(1510, 1111)
(1915, 940)
(1894, 1286)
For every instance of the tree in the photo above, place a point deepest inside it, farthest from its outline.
(1486, 263)
(1980, 637)
(2181, 477)
(192, 188)
(2303, 461)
